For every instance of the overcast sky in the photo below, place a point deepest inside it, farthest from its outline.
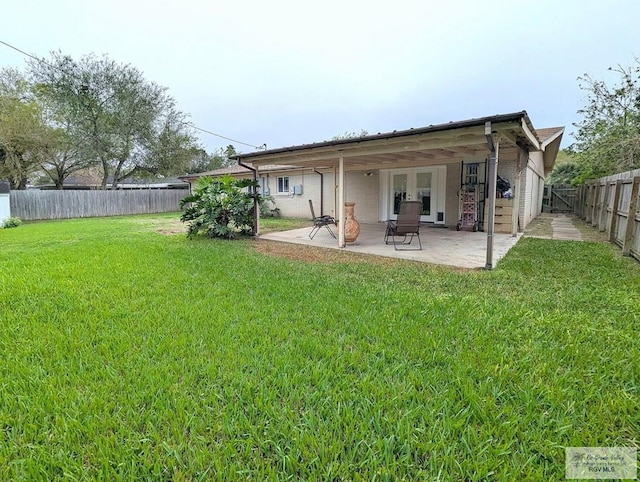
(286, 72)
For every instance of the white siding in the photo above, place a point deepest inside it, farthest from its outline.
(5, 211)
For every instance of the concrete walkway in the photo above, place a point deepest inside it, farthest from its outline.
(564, 229)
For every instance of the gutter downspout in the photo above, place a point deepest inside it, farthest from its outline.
(256, 207)
(493, 178)
(321, 190)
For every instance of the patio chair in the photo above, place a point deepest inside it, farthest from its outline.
(321, 222)
(406, 226)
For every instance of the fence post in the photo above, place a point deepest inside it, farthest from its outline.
(631, 217)
(590, 202)
(580, 201)
(613, 224)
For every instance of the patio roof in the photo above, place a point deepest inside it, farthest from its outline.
(435, 144)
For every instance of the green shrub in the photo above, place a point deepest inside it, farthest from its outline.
(268, 207)
(220, 208)
(12, 222)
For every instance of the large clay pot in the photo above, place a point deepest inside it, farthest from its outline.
(351, 225)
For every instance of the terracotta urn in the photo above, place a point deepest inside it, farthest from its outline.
(351, 225)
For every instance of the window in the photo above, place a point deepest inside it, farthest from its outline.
(283, 185)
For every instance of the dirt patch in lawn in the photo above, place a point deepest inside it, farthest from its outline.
(589, 232)
(174, 230)
(163, 225)
(313, 254)
(540, 227)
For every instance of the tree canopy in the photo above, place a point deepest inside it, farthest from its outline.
(608, 136)
(116, 117)
(64, 115)
(25, 139)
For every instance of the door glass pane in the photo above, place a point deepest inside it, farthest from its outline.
(423, 190)
(399, 191)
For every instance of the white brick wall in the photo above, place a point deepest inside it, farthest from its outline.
(531, 189)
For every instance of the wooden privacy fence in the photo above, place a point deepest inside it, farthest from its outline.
(611, 204)
(559, 199)
(32, 205)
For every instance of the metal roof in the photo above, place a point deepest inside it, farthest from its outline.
(480, 121)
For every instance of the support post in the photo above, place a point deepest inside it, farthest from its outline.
(321, 190)
(493, 179)
(256, 204)
(335, 192)
(631, 217)
(340, 207)
(523, 159)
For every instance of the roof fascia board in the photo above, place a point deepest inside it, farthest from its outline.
(550, 154)
(531, 137)
(399, 135)
(420, 142)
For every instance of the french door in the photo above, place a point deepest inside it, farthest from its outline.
(414, 185)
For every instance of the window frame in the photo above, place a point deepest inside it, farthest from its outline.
(282, 181)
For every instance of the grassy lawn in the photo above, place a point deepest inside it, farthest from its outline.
(131, 353)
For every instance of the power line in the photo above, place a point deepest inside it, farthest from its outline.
(219, 135)
(190, 124)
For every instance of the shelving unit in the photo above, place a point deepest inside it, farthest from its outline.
(504, 215)
(469, 196)
(468, 209)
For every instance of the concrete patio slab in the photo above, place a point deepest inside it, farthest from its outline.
(462, 249)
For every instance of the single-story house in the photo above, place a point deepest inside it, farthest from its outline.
(433, 164)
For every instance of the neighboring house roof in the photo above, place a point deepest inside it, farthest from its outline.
(235, 169)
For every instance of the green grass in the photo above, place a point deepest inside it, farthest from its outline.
(127, 354)
(268, 225)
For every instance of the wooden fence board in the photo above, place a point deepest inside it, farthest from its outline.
(36, 205)
(612, 203)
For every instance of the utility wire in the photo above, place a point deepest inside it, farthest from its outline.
(221, 136)
(190, 124)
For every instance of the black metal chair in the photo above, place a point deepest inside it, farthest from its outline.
(406, 226)
(321, 222)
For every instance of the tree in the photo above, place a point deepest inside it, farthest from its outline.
(201, 161)
(566, 170)
(117, 118)
(171, 146)
(608, 136)
(350, 135)
(25, 140)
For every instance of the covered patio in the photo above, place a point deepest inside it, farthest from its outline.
(461, 249)
(433, 165)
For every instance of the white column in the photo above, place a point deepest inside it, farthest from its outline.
(340, 207)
